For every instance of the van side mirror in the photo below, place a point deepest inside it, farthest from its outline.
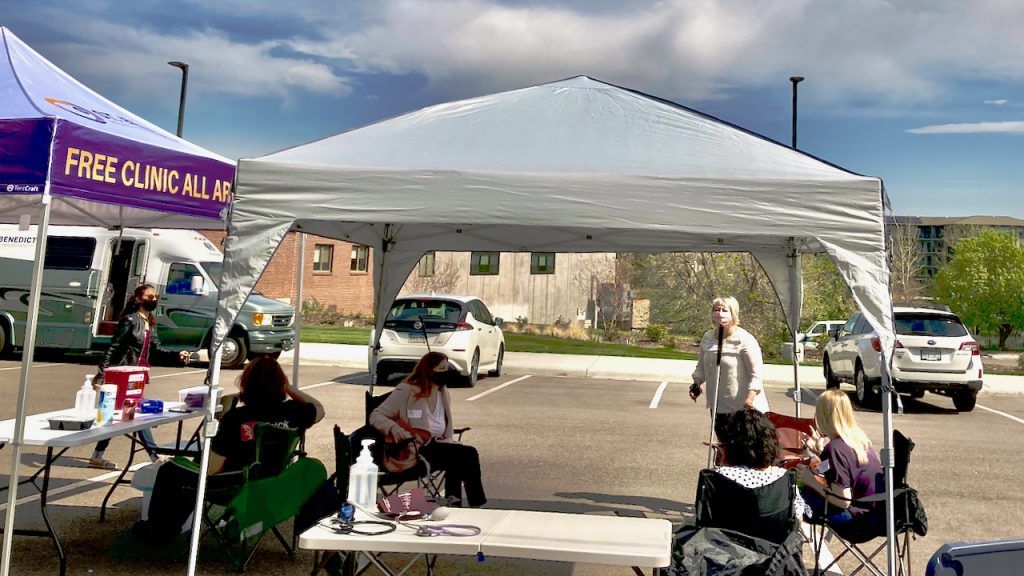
(198, 286)
(833, 333)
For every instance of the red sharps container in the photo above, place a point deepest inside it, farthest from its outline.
(128, 409)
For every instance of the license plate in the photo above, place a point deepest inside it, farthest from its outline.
(417, 338)
(931, 354)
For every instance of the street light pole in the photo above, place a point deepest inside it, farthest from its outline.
(795, 80)
(184, 90)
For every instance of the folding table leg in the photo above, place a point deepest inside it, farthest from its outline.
(46, 517)
(120, 479)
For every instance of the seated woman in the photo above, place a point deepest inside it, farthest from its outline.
(266, 397)
(751, 447)
(849, 464)
(420, 408)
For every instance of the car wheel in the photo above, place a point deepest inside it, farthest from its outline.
(918, 393)
(5, 340)
(965, 400)
(866, 396)
(382, 377)
(830, 377)
(474, 369)
(501, 359)
(234, 352)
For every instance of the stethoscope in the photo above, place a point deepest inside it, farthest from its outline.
(344, 523)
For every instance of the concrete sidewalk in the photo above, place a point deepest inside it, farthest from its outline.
(612, 367)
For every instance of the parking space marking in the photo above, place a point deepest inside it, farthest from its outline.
(178, 374)
(1010, 416)
(311, 386)
(75, 486)
(657, 395)
(33, 366)
(496, 388)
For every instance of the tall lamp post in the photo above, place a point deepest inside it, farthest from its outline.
(184, 90)
(794, 79)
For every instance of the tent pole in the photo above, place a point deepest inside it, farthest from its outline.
(888, 460)
(300, 269)
(796, 294)
(209, 431)
(28, 351)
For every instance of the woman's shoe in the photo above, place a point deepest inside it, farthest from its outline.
(102, 463)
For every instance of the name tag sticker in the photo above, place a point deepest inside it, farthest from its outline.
(415, 413)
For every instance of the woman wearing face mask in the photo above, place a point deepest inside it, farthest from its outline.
(739, 383)
(420, 408)
(134, 343)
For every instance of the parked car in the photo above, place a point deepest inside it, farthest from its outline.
(459, 326)
(816, 331)
(934, 353)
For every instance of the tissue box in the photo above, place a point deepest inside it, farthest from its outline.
(195, 397)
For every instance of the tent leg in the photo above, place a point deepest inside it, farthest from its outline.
(300, 271)
(28, 351)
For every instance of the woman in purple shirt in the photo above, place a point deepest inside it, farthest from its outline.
(849, 463)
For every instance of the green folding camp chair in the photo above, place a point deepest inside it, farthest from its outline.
(241, 507)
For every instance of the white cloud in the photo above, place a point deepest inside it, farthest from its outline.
(1016, 127)
(1000, 102)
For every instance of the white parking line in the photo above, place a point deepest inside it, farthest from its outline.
(178, 374)
(657, 395)
(33, 366)
(496, 388)
(75, 486)
(311, 386)
(1011, 417)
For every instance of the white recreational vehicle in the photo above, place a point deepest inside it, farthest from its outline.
(90, 272)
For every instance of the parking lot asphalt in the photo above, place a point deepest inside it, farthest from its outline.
(568, 443)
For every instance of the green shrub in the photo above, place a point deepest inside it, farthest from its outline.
(670, 341)
(656, 332)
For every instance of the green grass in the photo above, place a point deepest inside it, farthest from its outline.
(513, 343)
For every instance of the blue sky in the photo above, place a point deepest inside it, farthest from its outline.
(926, 94)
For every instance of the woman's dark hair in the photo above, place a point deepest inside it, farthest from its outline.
(132, 306)
(423, 373)
(262, 383)
(750, 440)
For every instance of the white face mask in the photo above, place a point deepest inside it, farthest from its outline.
(720, 316)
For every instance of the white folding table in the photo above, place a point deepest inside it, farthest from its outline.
(612, 540)
(38, 433)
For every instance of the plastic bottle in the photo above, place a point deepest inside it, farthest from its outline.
(362, 478)
(105, 411)
(85, 399)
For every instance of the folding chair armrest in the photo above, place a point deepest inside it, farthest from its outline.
(458, 432)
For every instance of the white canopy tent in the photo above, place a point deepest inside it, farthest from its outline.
(571, 166)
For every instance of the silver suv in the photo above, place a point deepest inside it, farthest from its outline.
(934, 353)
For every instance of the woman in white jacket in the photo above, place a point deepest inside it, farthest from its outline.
(739, 383)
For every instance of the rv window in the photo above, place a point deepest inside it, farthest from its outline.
(67, 253)
(140, 263)
(179, 278)
(213, 271)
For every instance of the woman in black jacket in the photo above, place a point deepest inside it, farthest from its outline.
(134, 343)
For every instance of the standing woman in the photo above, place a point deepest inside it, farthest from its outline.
(739, 383)
(420, 408)
(134, 343)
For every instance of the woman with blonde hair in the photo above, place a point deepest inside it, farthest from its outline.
(849, 463)
(739, 382)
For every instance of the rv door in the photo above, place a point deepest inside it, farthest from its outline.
(140, 258)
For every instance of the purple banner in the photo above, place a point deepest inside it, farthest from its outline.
(96, 166)
(24, 155)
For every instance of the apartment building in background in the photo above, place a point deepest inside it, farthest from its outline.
(937, 236)
(542, 287)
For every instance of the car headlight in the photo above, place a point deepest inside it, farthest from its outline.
(262, 319)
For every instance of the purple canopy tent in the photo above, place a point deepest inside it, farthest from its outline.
(69, 156)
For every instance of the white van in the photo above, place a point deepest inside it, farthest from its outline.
(816, 331)
(90, 273)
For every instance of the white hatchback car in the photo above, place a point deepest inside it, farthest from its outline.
(460, 327)
(934, 353)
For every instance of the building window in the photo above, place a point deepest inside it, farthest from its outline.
(542, 263)
(360, 254)
(426, 267)
(484, 263)
(926, 232)
(323, 255)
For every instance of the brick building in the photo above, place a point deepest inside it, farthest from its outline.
(338, 275)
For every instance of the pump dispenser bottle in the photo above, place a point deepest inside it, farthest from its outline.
(362, 479)
(85, 400)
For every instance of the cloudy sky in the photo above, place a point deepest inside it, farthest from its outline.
(926, 94)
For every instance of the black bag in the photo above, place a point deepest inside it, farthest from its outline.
(721, 552)
(323, 503)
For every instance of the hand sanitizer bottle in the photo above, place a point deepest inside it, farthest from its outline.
(85, 399)
(362, 478)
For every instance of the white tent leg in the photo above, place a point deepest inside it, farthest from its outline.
(796, 294)
(888, 457)
(209, 431)
(300, 269)
(28, 351)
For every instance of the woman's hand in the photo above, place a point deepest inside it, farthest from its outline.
(184, 355)
(695, 391)
(805, 475)
(815, 442)
(399, 434)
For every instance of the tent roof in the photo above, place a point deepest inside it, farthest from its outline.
(49, 120)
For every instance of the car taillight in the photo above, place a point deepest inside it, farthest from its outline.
(876, 344)
(973, 347)
(463, 325)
